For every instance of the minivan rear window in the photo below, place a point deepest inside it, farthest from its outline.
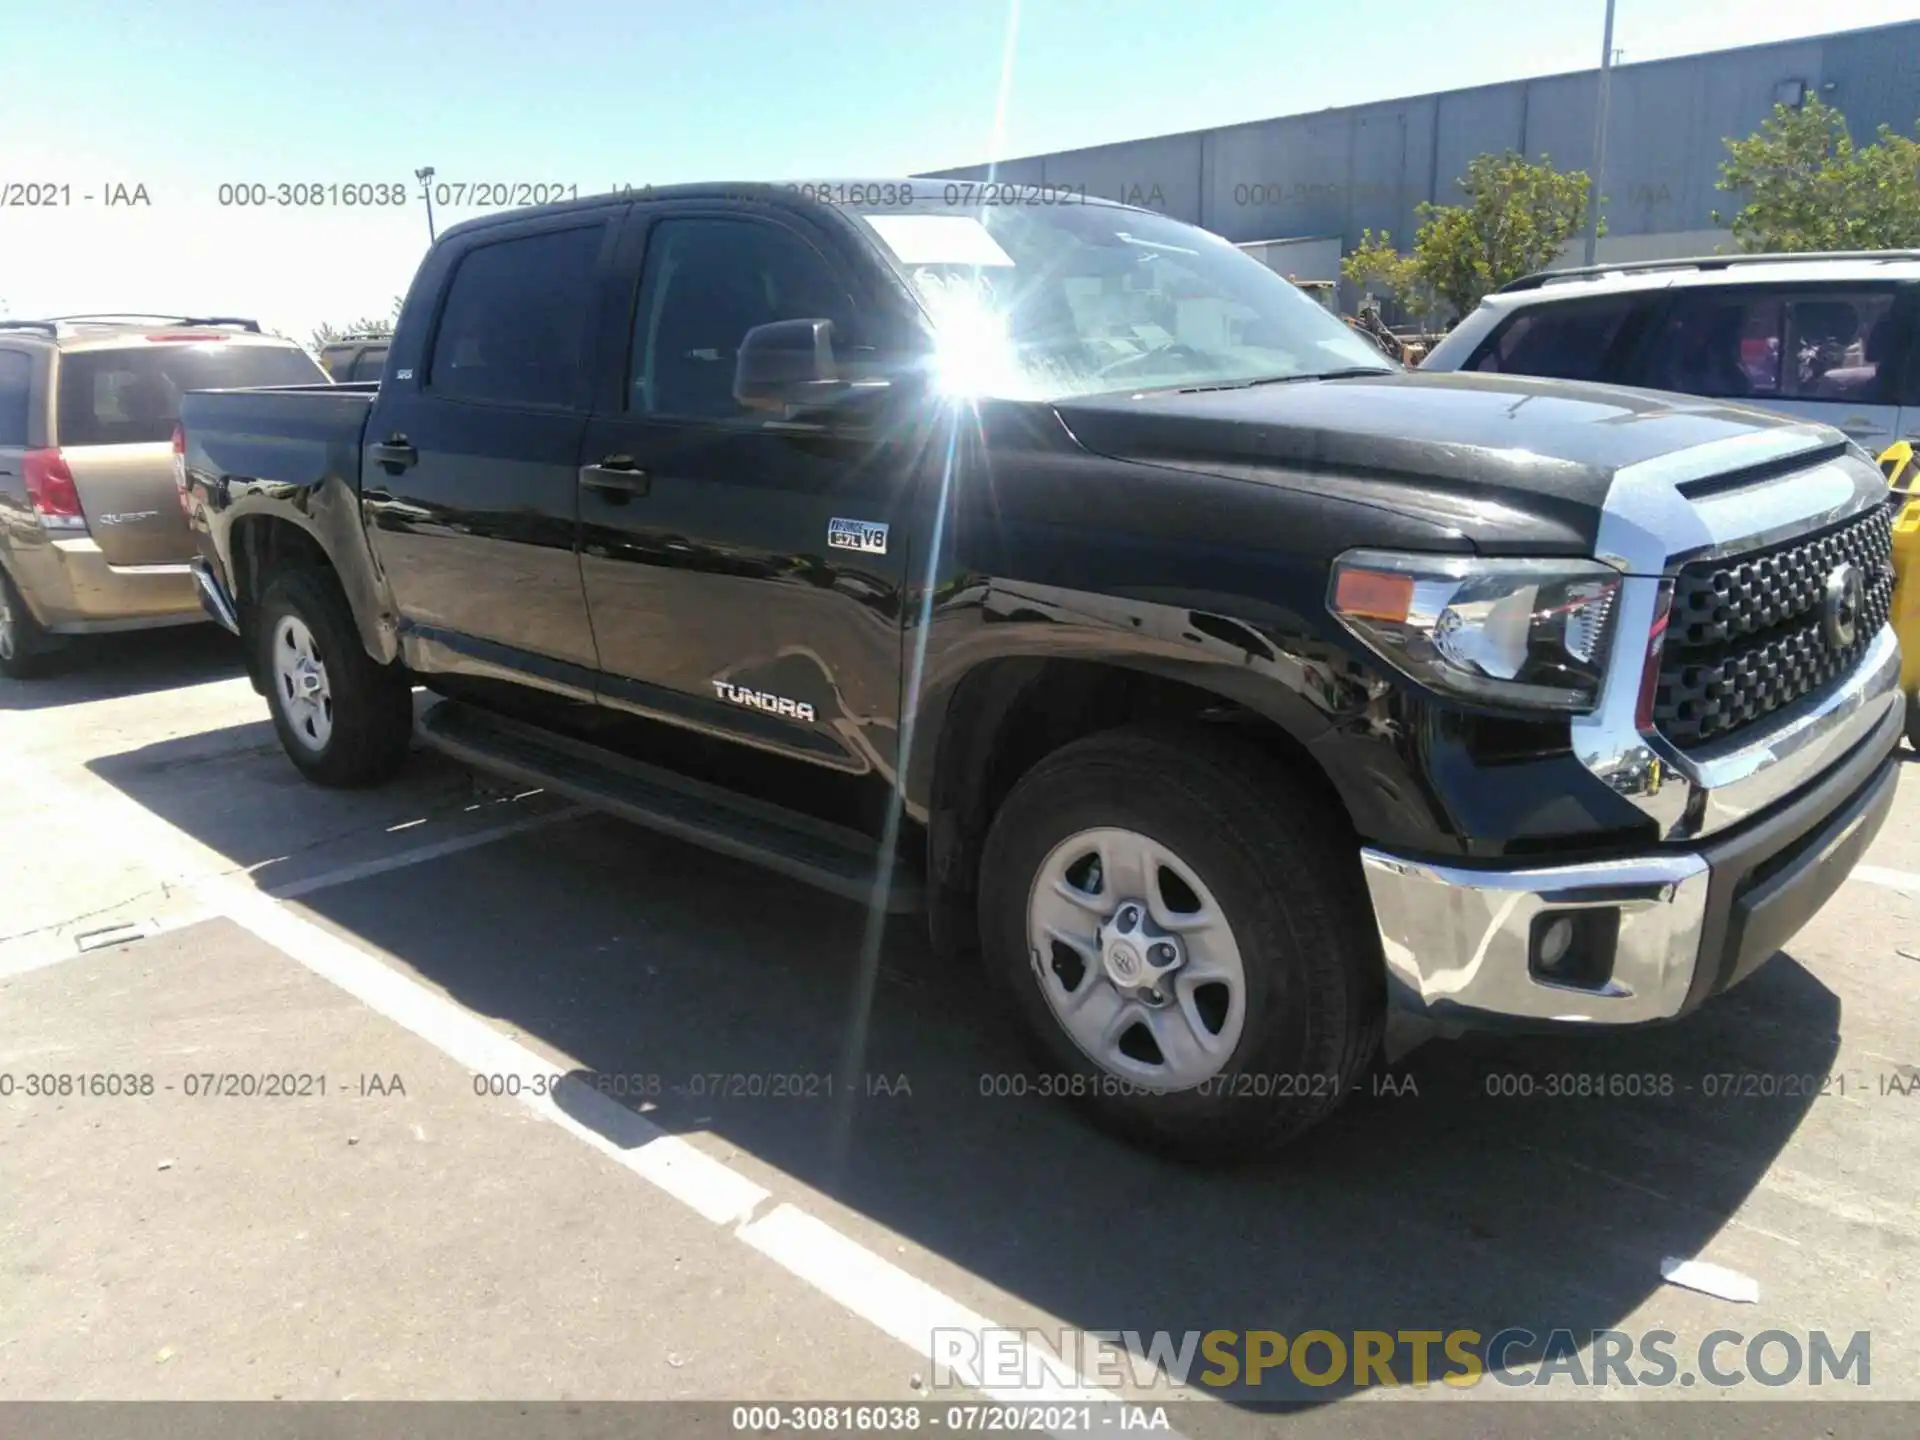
(132, 396)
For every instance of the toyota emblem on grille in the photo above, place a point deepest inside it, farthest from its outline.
(1841, 612)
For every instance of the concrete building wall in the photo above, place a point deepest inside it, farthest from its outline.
(1339, 172)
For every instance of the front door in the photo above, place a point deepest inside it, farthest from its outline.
(744, 573)
(469, 480)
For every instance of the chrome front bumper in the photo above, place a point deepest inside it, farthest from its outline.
(1458, 940)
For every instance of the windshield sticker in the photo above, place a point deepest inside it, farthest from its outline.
(939, 240)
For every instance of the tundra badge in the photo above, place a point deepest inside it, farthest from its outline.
(861, 535)
(762, 700)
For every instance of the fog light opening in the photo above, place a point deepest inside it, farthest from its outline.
(1555, 941)
(1574, 948)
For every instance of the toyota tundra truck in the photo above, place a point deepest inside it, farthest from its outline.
(1231, 695)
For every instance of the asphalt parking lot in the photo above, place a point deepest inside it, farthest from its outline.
(703, 1211)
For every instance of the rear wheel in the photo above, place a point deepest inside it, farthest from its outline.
(344, 719)
(24, 645)
(1192, 961)
(1913, 721)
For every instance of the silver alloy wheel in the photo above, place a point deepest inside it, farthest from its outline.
(1136, 959)
(7, 639)
(300, 676)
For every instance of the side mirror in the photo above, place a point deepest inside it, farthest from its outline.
(788, 365)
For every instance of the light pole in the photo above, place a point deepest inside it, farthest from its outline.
(1599, 138)
(425, 173)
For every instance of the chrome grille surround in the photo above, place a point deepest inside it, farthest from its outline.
(1650, 530)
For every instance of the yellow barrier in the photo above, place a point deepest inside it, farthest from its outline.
(1902, 467)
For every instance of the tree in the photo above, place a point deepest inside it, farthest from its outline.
(1517, 216)
(1374, 265)
(325, 335)
(1375, 268)
(1807, 188)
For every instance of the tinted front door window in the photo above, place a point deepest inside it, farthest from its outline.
(709, 282)
(1561, 341)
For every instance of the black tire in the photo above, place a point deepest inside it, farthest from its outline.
(24, 644)
(1913, 721)
(1258, 838)
(372, 704)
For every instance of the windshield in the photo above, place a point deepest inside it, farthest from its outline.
(1050, 301)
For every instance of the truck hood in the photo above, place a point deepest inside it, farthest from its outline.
(1508, 463)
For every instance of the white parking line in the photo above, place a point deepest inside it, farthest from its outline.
(887, 1297)
(346, 874)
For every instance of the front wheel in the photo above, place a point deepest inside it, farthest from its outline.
(1913, 721)
(1190, 952)
(344, 719)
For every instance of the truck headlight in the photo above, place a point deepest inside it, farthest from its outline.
(1527, 633)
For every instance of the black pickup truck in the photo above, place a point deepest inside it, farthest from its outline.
(1058, 570)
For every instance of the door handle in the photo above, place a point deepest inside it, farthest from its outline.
(617, 477)
(394, 455)
(381, 503)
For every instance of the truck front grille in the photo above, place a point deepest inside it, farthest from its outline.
(1747, 634)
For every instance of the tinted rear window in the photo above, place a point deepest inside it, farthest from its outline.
(131, 397)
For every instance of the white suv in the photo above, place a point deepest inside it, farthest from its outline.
(1830, 337)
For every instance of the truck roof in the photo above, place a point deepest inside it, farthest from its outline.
(778, 192)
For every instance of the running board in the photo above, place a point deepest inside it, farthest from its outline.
(832, 857)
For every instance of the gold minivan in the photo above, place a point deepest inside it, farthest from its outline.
(92, 534)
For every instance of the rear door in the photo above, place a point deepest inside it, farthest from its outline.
(470, 481)
(113, 423)
(1825, 352)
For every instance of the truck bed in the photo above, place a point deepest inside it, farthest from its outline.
(299, 435)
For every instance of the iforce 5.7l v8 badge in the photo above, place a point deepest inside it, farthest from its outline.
(861, 535)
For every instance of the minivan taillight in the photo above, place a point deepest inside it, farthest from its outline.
(180, 465)
(50, 490)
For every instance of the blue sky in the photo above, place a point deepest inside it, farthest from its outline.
(184, 95)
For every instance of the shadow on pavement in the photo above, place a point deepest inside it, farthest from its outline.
(1460, 1196)
(138, 662)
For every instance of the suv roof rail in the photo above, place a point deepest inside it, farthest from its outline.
(46, 327)
(112, 316)
(1699, 262)
(361, 335)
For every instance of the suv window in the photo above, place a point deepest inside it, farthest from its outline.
(1775, 344)
(371, 363)
(1560, 341)
(132, 397)
(708, 282)
(516, 319)
(16, 387)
